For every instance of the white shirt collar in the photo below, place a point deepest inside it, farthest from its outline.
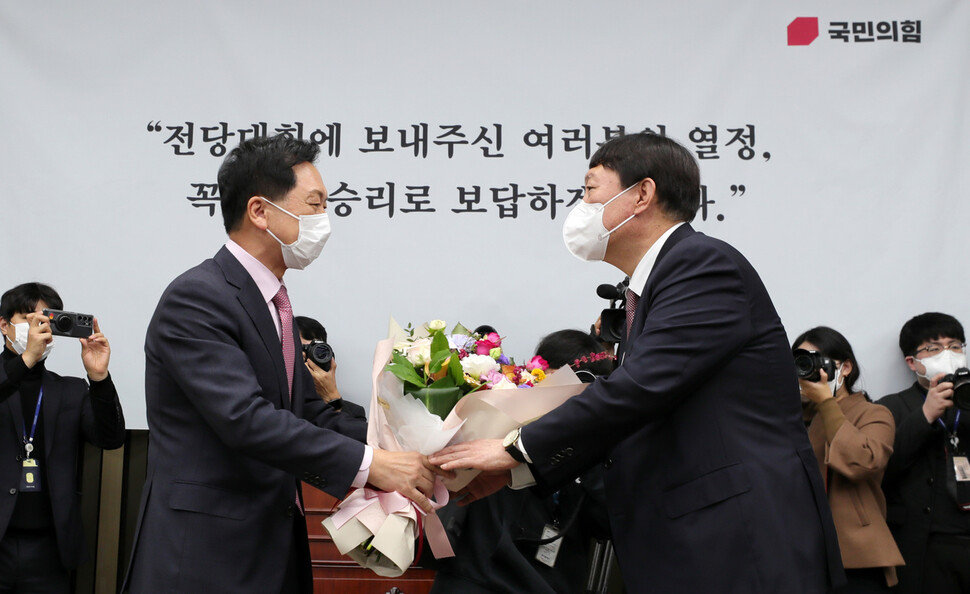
(643, 269)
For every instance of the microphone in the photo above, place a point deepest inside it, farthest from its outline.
(610, 292)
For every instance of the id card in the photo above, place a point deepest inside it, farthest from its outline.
(30, 477)
(961, 468)
(548, 552)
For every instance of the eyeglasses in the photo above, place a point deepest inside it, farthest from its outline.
(936, 349)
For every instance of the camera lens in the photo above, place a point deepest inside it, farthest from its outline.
(804, 365)
(63, 323)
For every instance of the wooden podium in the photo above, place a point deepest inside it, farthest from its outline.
(334, 573)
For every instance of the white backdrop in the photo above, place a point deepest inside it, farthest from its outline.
(850, 198)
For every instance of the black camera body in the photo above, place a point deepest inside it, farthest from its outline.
(808, 365)
(68, 323)
(961, 387)
(613, 319)
(319, 352)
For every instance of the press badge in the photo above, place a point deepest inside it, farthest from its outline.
(961, 468)
(548, 552)
(30, 478)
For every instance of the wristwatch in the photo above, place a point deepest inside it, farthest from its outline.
(511, 444)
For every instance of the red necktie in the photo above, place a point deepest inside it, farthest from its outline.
(282, 303)
(631, 309)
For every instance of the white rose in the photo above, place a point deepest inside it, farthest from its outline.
(479, 365)
(436, 325)
(419, 351)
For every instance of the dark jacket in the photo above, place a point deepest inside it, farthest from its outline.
(915, 484)
(712, 484)
(226, 445)
(72, 414)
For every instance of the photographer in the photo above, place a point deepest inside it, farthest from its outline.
(324, 380)
(852, 439)
(927, 503)
(42, 422)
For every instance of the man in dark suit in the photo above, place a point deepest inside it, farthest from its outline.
(234, 420)
(44, 418)
(712, 485)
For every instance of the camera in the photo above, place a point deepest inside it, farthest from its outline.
(319, 352)
(68, 323)
(961, 387)
(809, 363)
(613, 318)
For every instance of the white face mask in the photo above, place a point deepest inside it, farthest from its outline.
(314, 233)
(19, 343)
(946, 362)
(585, 234)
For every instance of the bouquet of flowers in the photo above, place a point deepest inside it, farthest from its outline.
(432, 389)
(439, 369)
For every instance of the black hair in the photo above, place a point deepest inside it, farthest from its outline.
(833, 345)
(928, 326)
(23, 299)
(564, 347)
(260, 167)
(484, 330)
(310, 329)
(672, 167)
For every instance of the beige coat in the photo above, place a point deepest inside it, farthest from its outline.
(852, 439)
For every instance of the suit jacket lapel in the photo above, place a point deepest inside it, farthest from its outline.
(640, 316)
(252, 301)
(296, 405)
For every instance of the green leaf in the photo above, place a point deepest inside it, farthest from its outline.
(445, 382)
(459, 329)
(456, 371)
(439, 351)
(404, 370)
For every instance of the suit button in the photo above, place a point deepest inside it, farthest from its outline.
(608, 463)
(19, 457)
(13, 491)
(289, 510)
(929, 481)
(927, 510)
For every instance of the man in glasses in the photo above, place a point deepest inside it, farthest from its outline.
(928, 503)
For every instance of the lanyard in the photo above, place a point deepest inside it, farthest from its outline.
(29, 441)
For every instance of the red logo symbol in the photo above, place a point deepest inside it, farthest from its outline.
(803, 31)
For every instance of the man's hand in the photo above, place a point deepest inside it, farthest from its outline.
(325, 382)
(39, 335)
(818, 391)
(938, 398)
(487, 455)
(95, 354)
(483, 485)
(408, 473)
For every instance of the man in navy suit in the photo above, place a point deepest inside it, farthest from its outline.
(235, 423)
(711, 483)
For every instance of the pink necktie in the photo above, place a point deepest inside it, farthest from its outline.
(631, 309)
(282, 303)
